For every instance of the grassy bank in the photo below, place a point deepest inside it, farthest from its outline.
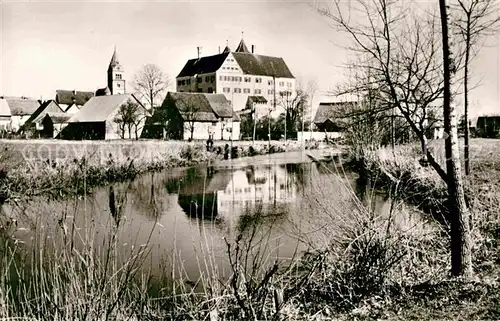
(62, 168)
(362, 265)
(400, 173)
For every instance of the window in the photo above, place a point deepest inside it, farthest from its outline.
(221, 78)
(226, 89)
(248, 189)
(118, 76)
(210, 90)
(188, 81)
(179, 82)
(248, 79)
(214, 123)
(198, 80)
(200, 90)
(258, 91)
(289, 84)
(119, 85)
(246, 90)
(212, 78)
(237, 90)
(270, 82)
(237, 190)
(282, 83)
(239, 79)
(258, 80)
(207, 78)
(270, 92)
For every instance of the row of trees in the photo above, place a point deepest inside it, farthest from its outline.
(292, 118)
(405, 64)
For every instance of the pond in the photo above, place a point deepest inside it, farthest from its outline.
(190, 219)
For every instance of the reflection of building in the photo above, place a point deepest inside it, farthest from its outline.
(256, 186)
(226, 194)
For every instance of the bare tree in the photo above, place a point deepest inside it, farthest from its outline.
(400, 52)
(128, 118)
(189, 114)
(151, 82)
(461, 252)
(295, 106)
(472, 21)
(398, 56)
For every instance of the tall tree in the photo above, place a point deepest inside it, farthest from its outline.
(399, 50)
(397, 55)
(461, 252)
(472, 20)
(151, 82)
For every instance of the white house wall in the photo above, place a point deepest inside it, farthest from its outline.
(202, 130)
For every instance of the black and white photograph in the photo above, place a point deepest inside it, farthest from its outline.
(250, 160)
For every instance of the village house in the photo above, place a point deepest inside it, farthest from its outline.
(198, 116)
(70, 101)
(53, 123)
(242, 76)
(102, 118)
(34, 123)
(15, 111)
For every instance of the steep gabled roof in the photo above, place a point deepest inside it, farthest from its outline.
(58, 118)
(193, 106)
(19, 106)
(202, 106)
(68, 97)
(100, 108)
(220, 105)
(203, 65)
(330, 111)
(49, 106)
(259, 65)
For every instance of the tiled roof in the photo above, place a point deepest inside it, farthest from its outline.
(202, 106)
(193, 106)
(66, 97)
(227, 50)
(49, 106)
(259, 65)
(220, 105)
(257, 100)
(19, 106)
(330, 111)
(203, 65)
(100, 108)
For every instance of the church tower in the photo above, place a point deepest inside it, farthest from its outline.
(116, 81)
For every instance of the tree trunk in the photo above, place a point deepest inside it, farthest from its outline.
(466, 98)
(461, 256)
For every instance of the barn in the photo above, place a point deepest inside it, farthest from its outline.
(107, 117)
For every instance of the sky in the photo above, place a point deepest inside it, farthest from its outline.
(68, 44)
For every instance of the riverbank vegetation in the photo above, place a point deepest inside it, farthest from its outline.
(58, 169)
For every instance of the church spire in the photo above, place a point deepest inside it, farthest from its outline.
(114, 59)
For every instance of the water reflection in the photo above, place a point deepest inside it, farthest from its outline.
(225, 194)
(185, 214)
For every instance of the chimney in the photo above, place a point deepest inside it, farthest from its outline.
(199, 52)
(219, 49)
(253, 48)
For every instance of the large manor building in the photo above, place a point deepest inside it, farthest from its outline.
(248, 80)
